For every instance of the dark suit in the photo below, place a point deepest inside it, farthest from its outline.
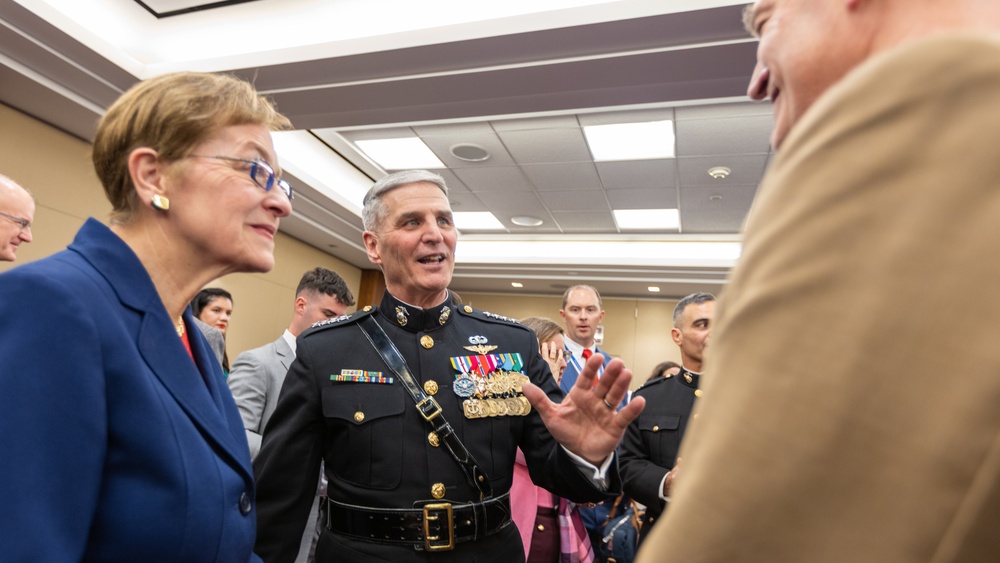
(649, 448)
(114, 447)
(375, 445)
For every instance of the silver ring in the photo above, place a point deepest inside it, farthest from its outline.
(607, 404)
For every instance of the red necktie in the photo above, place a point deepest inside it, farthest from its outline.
(587, 354)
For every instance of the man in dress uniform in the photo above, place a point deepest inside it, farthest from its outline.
(649, 448)
(417, 407)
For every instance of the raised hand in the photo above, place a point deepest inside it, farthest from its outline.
(586, 422)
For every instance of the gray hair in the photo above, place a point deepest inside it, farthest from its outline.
(693, 299)
(374, 211)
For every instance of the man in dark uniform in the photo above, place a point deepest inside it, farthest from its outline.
(648, 452)
(396, 492)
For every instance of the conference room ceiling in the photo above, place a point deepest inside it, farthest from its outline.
(500, 97)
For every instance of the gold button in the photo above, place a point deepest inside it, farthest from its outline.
(430, 387)
(437, 490)
(359, 416)
(468, 309)
(427, 342)
(541, 528)
(656, 429)
(366, 308)
(697, 392)
(433, 439)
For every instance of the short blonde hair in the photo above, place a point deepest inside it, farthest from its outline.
(544, 329)
(171, 114)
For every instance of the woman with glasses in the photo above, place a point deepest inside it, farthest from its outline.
(121, 441)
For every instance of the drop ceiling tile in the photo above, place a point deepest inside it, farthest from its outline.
(466, 202)
(663, 198)
(660, 173)
(474, 128)
(734, 135)
(494, 178)
(504, 207)
(580, 176)
(546, 145)
(354, 135)
(715, 209)
(455, 185)
(746, 170)
(713, 111)
(572, 201)
(442, 144)
(552, 122)
(585, 222)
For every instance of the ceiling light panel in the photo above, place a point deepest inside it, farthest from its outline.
(631, 141)
(400, 154)
(647, 219)
(477, 221)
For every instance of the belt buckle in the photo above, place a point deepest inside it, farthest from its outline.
(437, 543)
(435, 408)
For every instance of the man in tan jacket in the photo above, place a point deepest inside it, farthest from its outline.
(852, 393)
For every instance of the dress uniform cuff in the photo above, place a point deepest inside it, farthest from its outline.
(599, 475)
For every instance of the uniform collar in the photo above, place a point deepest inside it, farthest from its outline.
(415, 319)
(688, 377)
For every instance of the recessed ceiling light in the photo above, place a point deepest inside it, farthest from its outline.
(653, 289)
(631, 141)
(516, 284)
(469, 152)
(400, 154)
(477, 221)
(647, 219)
(526, 221)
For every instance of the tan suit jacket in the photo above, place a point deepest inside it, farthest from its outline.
(852, 387)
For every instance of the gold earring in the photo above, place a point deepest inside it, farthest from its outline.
(161, 202)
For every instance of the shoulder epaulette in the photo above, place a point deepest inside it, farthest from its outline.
(341, 320)
(486, 315)
(654, 381)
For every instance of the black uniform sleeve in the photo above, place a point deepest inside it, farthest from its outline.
(288, 464)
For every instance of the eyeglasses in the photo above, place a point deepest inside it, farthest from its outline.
(23, 223)
(260, 172)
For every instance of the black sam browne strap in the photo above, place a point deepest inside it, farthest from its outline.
(428, 407)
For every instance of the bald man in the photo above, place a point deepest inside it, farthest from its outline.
(17, 211)
(851, 389)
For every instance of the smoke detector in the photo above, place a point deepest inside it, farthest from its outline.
(719, 172)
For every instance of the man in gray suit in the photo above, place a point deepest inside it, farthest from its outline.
(257, 375)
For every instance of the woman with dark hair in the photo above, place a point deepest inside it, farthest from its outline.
(214, 307)
(121, 440)
(662, 369)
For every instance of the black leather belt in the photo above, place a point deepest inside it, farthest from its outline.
(437, 526)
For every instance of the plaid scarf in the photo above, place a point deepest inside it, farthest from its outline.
(574, 543)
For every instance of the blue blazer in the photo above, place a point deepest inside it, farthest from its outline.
(113, 445)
